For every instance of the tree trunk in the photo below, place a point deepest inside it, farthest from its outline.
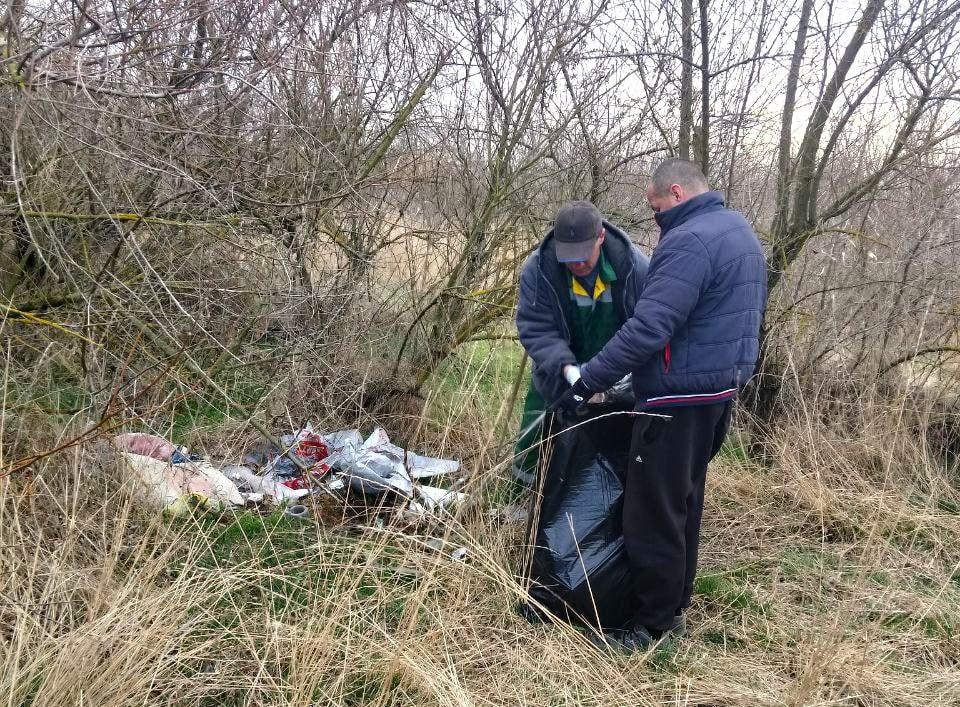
(704, 87)
(791, 230)
(686, 78)
(788, 243)
(784, 159)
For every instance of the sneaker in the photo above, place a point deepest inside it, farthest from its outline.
(632, 640)
(679, 626)
(636, 640)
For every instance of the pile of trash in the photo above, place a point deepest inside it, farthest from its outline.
(342, 465)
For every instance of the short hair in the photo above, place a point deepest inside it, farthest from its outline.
(676, 171)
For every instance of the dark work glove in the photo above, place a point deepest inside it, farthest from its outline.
(575, 399)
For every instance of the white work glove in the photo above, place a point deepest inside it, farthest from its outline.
(571, 373)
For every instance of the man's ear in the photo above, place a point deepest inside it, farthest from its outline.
(677, 191)
(603, 234)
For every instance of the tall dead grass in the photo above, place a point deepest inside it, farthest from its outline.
(829, 576)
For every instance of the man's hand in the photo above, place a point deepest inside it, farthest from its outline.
(575, 399)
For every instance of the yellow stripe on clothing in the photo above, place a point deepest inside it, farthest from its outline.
(598, 288)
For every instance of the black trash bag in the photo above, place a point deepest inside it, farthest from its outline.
(578, 568)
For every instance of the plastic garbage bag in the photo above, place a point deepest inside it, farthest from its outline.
(373, 473)
(578, 568)
(417, 466)
(175, 488)
(368, 470)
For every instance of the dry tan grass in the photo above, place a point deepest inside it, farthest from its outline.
(825, 580)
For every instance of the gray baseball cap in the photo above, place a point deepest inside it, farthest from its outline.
(575, 230)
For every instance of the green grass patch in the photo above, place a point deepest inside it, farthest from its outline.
(58, 391)
(934, 626)
(483, 373)
(719, 637)
(880, 577)
(800, 562)
(729, 592)
(205, 412)
(736, 450)
(285, 569)
(948, 505)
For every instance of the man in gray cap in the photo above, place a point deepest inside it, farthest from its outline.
(576, 290)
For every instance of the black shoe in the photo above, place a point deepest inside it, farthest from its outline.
(632, 640)
(679, 626)
(637, 640)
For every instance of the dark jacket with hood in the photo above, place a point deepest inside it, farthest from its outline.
(693, 336)
(544, 308)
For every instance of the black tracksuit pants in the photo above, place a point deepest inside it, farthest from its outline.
(663, 505)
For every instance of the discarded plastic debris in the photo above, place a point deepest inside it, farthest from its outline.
(175, 488)
(371, 472)
(422, 467)
(245, 479)
(431, 502)
(307, 462)
(435, 498)
(376, 465)
(296, 478)
(296, 511)
(260, 454)
(418, 466)
(512, 513)
(287, 466)
(298, 465)
(181, 456)
(459, 554)
(337, 441)
(307, 444)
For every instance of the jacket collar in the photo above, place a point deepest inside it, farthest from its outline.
(702, 203)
